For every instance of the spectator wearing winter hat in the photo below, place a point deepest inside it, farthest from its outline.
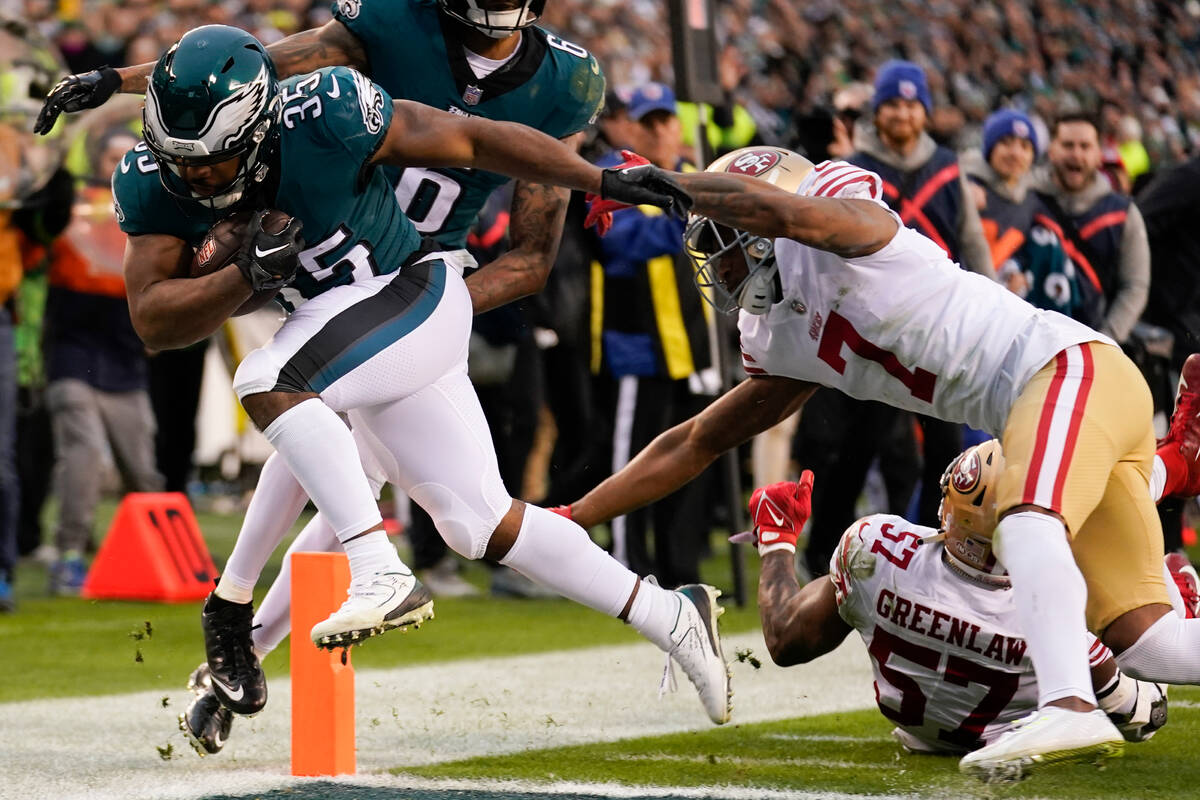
(1000, 183)
(922, 181)
(1027, 250)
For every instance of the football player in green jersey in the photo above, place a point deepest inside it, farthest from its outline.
(477, 57)
(378, 330)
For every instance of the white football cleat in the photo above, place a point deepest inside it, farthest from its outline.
(696, 647)
(1148, 715)
(376, 604)
(1050, 735)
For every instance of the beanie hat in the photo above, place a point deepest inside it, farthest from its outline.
(902, 79)
(1007, 123)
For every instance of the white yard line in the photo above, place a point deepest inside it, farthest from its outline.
(106, 747)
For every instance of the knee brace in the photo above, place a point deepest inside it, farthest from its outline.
(257, 373)
(466, 529)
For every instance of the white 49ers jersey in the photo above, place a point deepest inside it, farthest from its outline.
(904, 326)
(951, 667)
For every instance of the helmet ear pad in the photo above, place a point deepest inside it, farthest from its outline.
(762, 287)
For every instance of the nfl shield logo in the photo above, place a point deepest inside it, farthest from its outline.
(472, 95)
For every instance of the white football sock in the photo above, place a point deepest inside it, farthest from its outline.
(1119, 696)
(321, 453)
(1158, 479)
(275, 505)
(274, 614)
(1166, 652)
(1050, 596)
(555, 552)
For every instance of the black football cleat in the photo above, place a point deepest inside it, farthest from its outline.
(206, 723)
(236, 676)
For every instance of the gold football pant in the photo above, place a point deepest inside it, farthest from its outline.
(1079, 441)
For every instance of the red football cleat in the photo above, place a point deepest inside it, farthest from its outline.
(1180, 448)
(1185, 422)
(1187, 580)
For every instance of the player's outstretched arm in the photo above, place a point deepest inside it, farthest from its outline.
(168, 308)
(535, 228)
(682, 452)
(330, 45)
(848, 228)
(798, 624)
(420, 136)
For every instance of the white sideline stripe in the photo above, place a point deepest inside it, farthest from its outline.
(104, 748)
(616, 790)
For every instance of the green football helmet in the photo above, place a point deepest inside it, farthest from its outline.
(495, 18)
(213, 96)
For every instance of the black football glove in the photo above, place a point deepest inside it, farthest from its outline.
(270, 260)
(75, 93)
(644, 184)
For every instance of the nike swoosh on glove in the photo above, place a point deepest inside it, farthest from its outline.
(778, 513)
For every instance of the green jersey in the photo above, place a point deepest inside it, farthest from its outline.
(332, 123)
(549, 84)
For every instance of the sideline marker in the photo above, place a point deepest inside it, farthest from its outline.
(322, 683)
(153, 552)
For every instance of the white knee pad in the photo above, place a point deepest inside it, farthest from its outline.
(464, 528)
(257, 373)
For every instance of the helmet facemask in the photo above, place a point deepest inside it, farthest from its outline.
(195, 122)
(707, 242)
(498, 23)
(968, 513)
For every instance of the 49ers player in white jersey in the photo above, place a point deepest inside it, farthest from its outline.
(935, 611)
(833, 290)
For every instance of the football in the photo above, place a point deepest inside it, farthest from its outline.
(221, 244)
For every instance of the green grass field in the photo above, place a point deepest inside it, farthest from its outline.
(72, 647)
(122, 658)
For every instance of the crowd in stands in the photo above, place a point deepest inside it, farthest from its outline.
(1105, 94)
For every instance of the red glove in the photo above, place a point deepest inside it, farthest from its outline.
(599, 209)
(779, 512)
(562, 511)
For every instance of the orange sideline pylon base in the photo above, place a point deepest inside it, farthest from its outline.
(322, 682)
(153, 551)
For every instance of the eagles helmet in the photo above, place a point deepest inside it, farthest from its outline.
(213, 96)
(968, 511)
(495, 18)
(706, 241)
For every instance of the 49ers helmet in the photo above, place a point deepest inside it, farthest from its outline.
(968, 511)
(706, 241)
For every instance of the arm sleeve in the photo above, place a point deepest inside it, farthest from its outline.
(976, 255)
(1133, 278)
(639, 234)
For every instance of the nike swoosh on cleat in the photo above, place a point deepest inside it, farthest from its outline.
(234, 696)
(259, 252)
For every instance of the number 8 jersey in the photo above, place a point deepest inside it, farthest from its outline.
(951, 668)
(904, 325)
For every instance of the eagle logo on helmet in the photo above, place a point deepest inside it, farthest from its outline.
(754, 163)
(966, 473)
